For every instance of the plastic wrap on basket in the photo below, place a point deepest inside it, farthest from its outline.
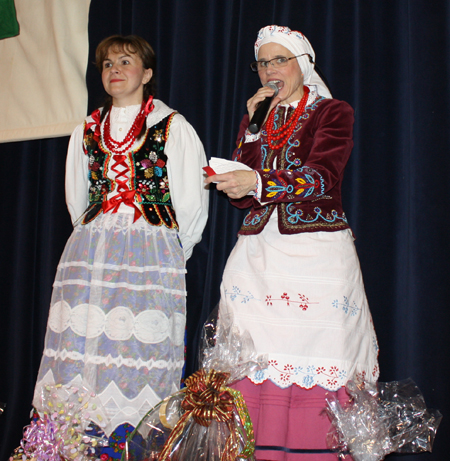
(225, 348)
(381, 419)
(63, 428)
(207, 420)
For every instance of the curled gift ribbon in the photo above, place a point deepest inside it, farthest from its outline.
(207, 400)
(41, 438)
(62, 430)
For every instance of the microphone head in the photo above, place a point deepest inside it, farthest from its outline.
(273, 84)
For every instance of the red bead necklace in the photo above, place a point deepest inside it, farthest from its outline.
(135, 129)
(282, 134)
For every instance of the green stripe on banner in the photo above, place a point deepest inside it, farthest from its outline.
(9, 27)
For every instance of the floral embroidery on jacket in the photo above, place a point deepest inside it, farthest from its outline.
(295, 216)
(289, 183)
(305, 187)
(257, 217)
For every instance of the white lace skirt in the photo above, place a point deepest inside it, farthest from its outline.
(302, 299)
(117, 315)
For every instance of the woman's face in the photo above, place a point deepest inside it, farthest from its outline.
(289, 78)
(124, 77)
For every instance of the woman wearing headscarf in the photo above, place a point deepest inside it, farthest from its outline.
(293, 279)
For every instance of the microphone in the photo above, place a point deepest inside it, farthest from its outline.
(262, 109)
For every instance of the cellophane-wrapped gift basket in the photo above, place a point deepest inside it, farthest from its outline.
(382, 418)
(207, 420)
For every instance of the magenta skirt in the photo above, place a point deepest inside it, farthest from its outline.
(290, 424)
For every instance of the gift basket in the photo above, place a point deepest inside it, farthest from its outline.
(382, 418)
(64, 429)
(206, 420)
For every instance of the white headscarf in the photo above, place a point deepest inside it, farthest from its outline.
(297, 44)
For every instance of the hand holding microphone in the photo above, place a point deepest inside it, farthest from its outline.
(262, 109)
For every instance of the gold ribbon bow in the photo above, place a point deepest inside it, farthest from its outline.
(207, 399)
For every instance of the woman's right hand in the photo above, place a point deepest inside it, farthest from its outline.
(263, 93)
(236, 184)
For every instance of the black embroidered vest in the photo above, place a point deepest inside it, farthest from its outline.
(148, 180)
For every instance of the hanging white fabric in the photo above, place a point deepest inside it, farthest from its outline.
(43, 91)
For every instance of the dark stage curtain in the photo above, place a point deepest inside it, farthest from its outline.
(390, 59)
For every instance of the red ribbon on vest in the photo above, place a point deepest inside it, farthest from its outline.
(96, 117)
(127, 198)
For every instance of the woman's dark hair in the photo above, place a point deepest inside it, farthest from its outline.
(131, 44)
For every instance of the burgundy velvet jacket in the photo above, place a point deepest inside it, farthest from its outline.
(303, 179)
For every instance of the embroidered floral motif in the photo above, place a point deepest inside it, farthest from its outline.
(257, 217)
(375, 343)
(158, 135)
(308, 381)
(360, 377)
(346, 307)
(260, 375)
(154, 185)
(278, 188)
(239, 151)
(303, 302)
(294, 216)
(264, 148)
(99, 186)
(146, 163)
(269, 154)
(147, 175)
(296, 162)
(149, 172)
(330, 377)
(236, 293)
(286, 374)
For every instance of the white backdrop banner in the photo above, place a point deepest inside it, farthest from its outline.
(43, 90)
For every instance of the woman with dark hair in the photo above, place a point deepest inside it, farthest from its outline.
(293, 279)
(135, 193)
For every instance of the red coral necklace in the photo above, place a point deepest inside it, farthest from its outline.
(135, 129)
(284, 132)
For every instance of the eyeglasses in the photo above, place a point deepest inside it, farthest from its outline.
(281, 61)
